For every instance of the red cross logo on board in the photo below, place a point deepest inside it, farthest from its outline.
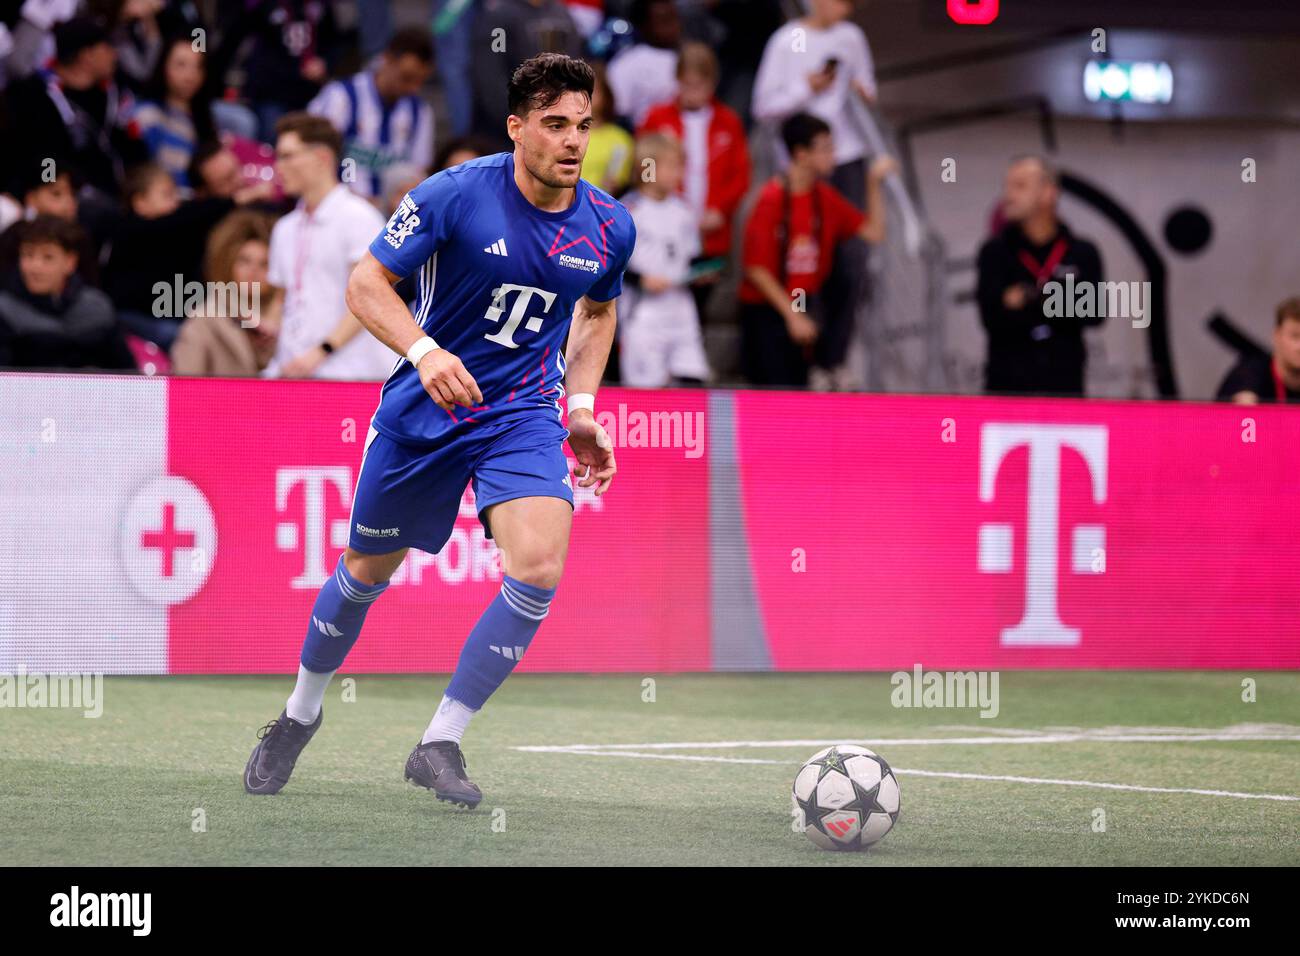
(168, 540)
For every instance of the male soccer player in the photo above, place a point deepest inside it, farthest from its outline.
(514, 252)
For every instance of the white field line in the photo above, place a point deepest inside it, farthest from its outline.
(638, 751)
(587, 751)
(923, 741)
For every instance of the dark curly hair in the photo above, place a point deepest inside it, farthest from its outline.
(540, 81)
(50, 229)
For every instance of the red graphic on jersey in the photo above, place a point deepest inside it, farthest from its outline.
(542, 387)
(468, 418)
(602, 254)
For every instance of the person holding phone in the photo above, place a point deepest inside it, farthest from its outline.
(820, 64)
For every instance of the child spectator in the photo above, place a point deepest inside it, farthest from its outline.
(42, 196)
(790, 239)
(661, 340)
(36, 194)
(608, 162)
(220, 340)
(717, 158)
(49, 317)
(380, 113)
(176, 115)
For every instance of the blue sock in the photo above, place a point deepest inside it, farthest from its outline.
(336, 619)
(498, 640)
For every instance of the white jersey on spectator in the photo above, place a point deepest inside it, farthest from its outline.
(376, 135)
(311, 257)
(640, 77)
(781, 86)
(661, 332)
(667, 236)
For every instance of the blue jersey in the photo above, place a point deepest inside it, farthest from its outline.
(497, 282)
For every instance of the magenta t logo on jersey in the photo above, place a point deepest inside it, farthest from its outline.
(973, 12)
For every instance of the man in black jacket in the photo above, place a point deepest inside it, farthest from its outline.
(74, 112)
(1030, 350)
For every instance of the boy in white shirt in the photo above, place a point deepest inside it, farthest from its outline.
(660, 336)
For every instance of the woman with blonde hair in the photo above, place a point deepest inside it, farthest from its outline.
(235, 330)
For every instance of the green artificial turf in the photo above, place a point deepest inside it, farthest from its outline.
(126, 788)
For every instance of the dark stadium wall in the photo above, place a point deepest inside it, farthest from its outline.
(1151, 171)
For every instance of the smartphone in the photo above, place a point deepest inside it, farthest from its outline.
(832, 65)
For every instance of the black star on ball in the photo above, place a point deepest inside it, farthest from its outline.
(865, 801)
(811, 812)
(833, 760)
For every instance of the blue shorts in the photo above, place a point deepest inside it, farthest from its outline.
(408, 496)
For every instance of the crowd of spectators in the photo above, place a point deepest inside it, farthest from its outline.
(263, 143)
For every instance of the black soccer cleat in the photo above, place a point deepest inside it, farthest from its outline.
(278, 745)
(440, 766)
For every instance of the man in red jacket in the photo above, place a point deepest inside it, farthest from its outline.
(717, 158)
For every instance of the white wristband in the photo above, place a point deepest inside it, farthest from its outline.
(420, 349)
(582, 400)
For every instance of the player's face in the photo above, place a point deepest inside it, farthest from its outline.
(1286, 345)
(553, 140)
(46, 267)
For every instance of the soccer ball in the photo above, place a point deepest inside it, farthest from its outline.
(845, 798)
